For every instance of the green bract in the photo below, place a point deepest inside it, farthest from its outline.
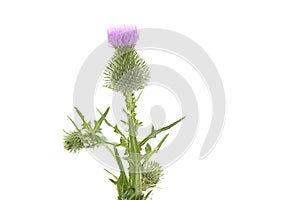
(126, 71)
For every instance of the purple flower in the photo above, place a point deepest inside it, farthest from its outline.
(122, 36)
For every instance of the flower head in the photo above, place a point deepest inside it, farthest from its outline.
(151, 174)
(126, 71)
(122, 36)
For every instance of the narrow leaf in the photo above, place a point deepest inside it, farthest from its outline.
(154, 133)
(111, 174)
(147, 156)
(99, 122)
(116, 129)
(74, 123)
(113, 181)
(86, 124)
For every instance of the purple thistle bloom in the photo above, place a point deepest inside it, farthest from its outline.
(122, 36)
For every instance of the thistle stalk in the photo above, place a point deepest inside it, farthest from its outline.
(135, 175)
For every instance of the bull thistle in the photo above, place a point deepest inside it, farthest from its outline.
(128, 74)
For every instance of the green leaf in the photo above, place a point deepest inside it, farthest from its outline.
(101, 119)
(85, 124)
(139, 96)
(147, 156)
(74, 124)
(124, 122)
(111, 173)
(122, 183)
(123, 142)
(113, 181)
(148, 148)
(154, 132)
(148, 194)
(116, 129)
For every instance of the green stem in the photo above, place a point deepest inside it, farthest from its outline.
(135, 175)
(109, 150)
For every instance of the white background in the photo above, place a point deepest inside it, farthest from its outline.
(254, 44)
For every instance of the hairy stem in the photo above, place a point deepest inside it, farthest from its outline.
(135, 175)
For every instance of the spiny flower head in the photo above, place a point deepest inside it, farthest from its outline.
(126, 71)
(122, 36)
(151, 174)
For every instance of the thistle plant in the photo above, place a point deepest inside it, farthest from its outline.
(128, 74)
